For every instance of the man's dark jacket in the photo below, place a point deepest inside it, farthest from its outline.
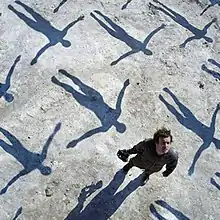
(148, 159)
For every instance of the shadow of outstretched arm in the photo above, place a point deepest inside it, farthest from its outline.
(213, 120)
(19, 211)
(205, 9)
(209, 24)
(124, 56)
(86, 135)
(187, 41)
(125, 5)
(8, 78)
(58, 7)
(121, 95)
(40, 52)
(14, 179)
(65, 30)
(148, 38)
(204, 146)
(49, 140)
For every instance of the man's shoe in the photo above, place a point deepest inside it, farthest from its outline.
(126, 168)
(145, 178)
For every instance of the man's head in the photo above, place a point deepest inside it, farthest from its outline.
(45, 170)
(163, 140)
(208, 39)
(9, 97)
(66, 43)
(147, 52)
(120, 127)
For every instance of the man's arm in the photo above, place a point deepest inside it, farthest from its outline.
(137, 149)
(40, 52)
(15, 178)
(171, 165)
(80, 18)
(121, 95)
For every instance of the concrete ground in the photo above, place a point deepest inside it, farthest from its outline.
(68, 106)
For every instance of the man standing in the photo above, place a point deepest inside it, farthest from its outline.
(152, 155)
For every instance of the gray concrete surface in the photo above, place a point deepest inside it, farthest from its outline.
(29, 120)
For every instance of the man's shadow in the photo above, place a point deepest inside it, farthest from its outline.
(29, 160)
(212, 72)
(4, 87)
(119, 33)
(106, 202)
(188, 120)
(198, 34)
(212, 3)
(58, 7)
(179, 215)
(94, 101)
(126, 4)
(42, 25)
(19, 211)
(213, 182)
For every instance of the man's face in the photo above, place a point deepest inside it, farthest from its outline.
(163, 145)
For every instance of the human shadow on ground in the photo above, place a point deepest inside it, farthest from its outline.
(126, 4)
(106, 202)
(29, 160)
(43, 26)
(94, 101)
(19, 211)
(119, 33)
(198, 34)
(212, 72)
(58, 7)
(212, 3)
(179, 215)
(214, 183)
(4, 87)
(188, 120)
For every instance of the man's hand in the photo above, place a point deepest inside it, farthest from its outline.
(80, 18)
(18, 59)
(127, 82)
(214, 19)
(123, 155)
(165, 174)
(163, 25)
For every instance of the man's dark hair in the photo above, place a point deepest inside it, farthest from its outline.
(164, 133)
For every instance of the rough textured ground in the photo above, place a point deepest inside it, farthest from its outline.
(39, 105)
